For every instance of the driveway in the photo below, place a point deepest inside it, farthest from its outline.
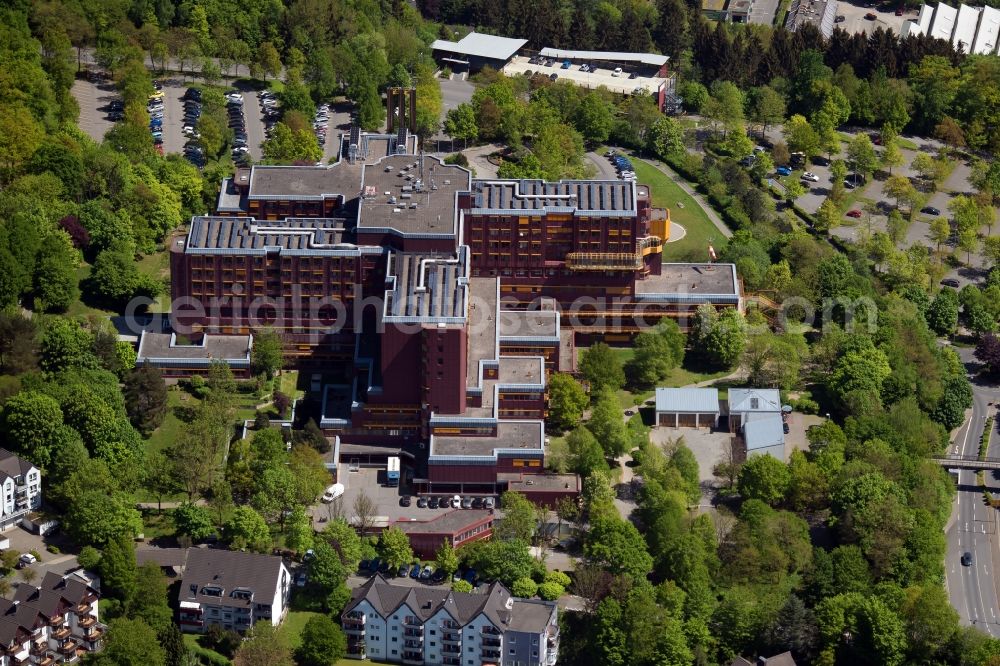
(709, 449)
(855, 21)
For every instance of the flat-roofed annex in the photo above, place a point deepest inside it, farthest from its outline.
(694, 282)
(304, 182)
(411, 196)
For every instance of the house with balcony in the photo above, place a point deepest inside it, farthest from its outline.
(53, 623)
(234, 590)
(22, 489)
(431, 625)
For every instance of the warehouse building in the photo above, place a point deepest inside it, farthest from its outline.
(687, 407)
(475, 51)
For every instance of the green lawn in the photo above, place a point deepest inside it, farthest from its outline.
(178, 402)
(682, 376)
(157, 265)
(291, 629)
(210, 656)
(684, 210)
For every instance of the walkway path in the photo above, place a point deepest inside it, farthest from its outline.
(683, 184)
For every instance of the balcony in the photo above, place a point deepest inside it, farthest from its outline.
(95, 634)
(86, 622)
(410, 657)
(451, 649)
(414, 644)
(451, 636)
(491, 654)
(489, 641)
(83, 609)
(412, 622)
(47, 660)
(414, 633)
(60, 633)
(451, 661)
(69, 647)
(491, 630)
(39, 648)
(551, 658)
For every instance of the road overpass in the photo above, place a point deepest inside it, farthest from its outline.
(968, 462)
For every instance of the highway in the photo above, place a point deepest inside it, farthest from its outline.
(972, 589)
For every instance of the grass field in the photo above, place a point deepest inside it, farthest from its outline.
(683, 376)
(291, 629)
(684, 210)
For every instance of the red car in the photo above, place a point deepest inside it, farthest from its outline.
(871, 16)
(854, 213)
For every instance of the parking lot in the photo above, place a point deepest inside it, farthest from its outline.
(593, 79)
(369, 481)
(855, 21)
(709, 449)
(94, 99)
(173, 116)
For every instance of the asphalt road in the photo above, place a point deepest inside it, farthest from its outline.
(972, 589)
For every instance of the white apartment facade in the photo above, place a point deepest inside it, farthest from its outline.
(234, 590)
(22, 489)
(425, 625)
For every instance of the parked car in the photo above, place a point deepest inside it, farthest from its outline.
(854, 213)
(415, 572)
(466, 502)
(950, 282)
(553, 76)
(427, 572)
(930, 210)
(404, 571)
(489, 503)
(333, 492)
(810, 176)
(405, 501)
(784, 171)
(871, 16)
(456, 501)
(433, 503)
(421, 502)
(617, 72)
(840, 18)
(784, 427)
(26, 560)
(477, 503)
(566, 64)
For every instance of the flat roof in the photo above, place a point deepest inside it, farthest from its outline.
(527, 436)
(445, 523)
(481, 334)
(652, 59)
(291, 235)
(521, 370)
(581, 196)
(411, 195)
(165, 347)
(540, 482)
(304, 182)
(688, 400)
(479, 45)
(529, 324)
(694, 282)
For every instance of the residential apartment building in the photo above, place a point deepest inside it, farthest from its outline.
(423, 625)
(54, 623)
(22, 489)
(231, 589)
